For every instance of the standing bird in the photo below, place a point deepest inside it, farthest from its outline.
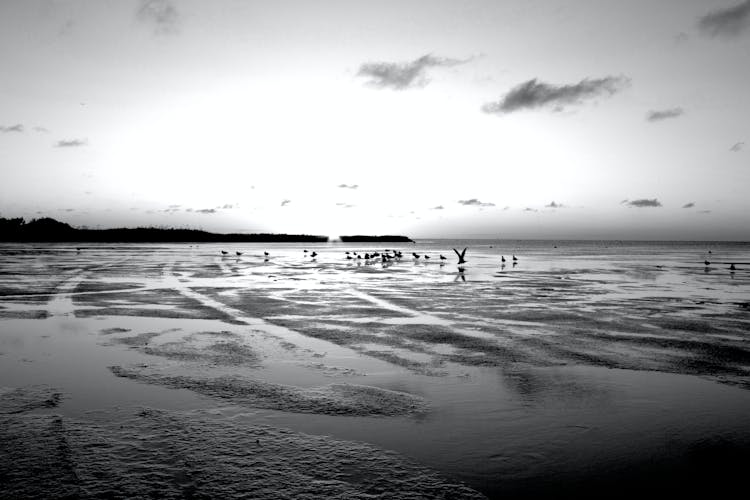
(415, 255)
(442, 257)
(502, 258)
(238, 253)
(707, 263)
(732, 268)
(224, 252)
(461, 255)
(426, 256)
(266, 254)
(314, 254)
(515, 259)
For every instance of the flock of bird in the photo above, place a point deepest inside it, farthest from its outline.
(387, 256)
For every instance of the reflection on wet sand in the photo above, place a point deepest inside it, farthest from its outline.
(575, 364)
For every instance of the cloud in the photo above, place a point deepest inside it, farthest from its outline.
(400, 76)
(41, 130)
(439, 207)
(161, 14)
(475, 203)
(348, 186)
(527, 209)
(688, 205)
(704, 211)
(285, 203)
(554, 205)
(72, 143)
(344, 205)
(726, 22)
(642, 203)
(11, 128)
(664, 114)
(737, 147)
(206, 211)
(535, 94)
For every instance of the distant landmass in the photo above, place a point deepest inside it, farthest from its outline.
(47, 229)
(360, 238)
(50, 230)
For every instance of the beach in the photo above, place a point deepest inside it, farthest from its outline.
(580, 368)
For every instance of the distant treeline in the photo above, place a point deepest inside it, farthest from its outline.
(51, 230)
(359, 238)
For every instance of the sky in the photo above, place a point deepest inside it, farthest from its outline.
(560, 119)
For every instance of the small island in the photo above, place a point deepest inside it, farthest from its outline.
(359, 238)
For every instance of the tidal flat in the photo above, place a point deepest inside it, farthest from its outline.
(585, 369)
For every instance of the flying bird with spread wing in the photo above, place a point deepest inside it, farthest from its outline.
(461, 255)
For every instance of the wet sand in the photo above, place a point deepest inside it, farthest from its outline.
(578, 370)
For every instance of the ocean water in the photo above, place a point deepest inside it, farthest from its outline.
(585, 367)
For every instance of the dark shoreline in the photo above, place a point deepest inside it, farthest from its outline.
(48, 230)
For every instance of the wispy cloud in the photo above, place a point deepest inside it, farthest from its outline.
(161, 14)
(664, 114)
(535, 94)
(348, 186)
(737, 147)
(688, 205)
(643, 203)
(404, 75)
(726, 22)
(206, 211)
(344, 205)
(41, 130)
(475, 203)
(553, 204)
(285, 203)
(11, 128)
(529, 209)
(71, 143)
(439, 207)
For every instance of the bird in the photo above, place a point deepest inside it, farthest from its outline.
(314, 254)
(502, 258)
(224, 252)
(347, 253)
(305, 250)
(442, 257)
(426, 256)
(238, 253)
(515, 259)
(461, 255)
(732, 268)
(266, 254)
(348, 257)
(416, 256)
(706, 262)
